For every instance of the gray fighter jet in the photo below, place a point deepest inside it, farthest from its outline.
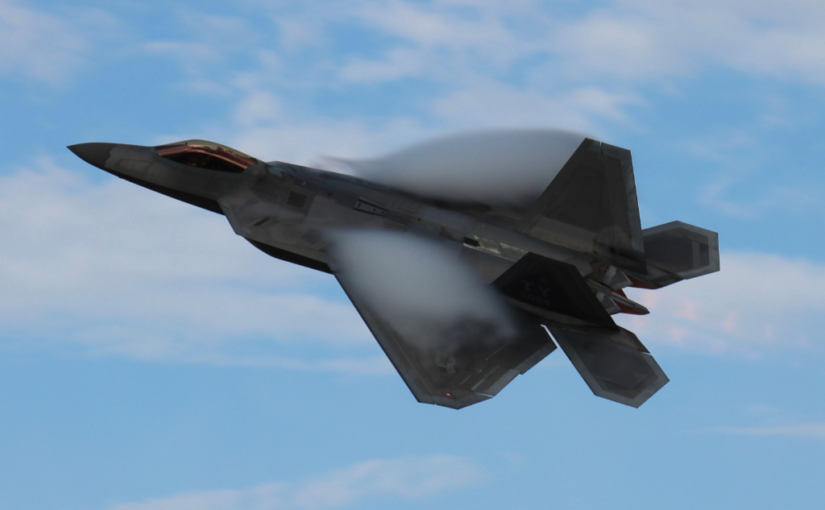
(463, 292)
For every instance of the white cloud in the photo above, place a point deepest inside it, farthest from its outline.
(434, 26)
(38, 45)
(487, 64)
(403, 478)
(256, 107)
(397, 63)
(114, 268)
(743, 161)
(436, 41)
(191, 54)
(643, 39)
(635, 40)
(527, 63)
(801, 199)
(300, 32)
(496, 105)
(202, 45)
(803, 430)
(757, 304)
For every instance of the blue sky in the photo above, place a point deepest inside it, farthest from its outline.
(150, 359)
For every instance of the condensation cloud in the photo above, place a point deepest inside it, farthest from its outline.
(497, 166)
(420, 286)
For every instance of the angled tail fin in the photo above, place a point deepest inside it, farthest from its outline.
(591, 206)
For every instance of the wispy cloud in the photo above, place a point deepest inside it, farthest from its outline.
(717, 195)
(114, 269)
(203, 37)
(635, 40)
(484, 65)
(803, 430)
(408, 478)
(744, 162)
(481, 64)
(498, 105)
(641, 40)
(758, 303)
(38, 45)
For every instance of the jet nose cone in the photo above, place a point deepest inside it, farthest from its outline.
(93, 153)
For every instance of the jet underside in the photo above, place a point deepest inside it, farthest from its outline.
(460, 295)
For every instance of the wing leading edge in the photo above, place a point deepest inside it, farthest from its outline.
(447, 354)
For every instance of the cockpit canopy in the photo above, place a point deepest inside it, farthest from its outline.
(205, 154)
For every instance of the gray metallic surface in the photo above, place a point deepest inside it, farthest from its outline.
(562, 264)
(682, 249)
(613, 363)
(591, 206)
(471, 364)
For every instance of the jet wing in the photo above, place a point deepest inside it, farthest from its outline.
(452, 339)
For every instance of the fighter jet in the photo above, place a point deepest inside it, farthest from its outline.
(465, 281)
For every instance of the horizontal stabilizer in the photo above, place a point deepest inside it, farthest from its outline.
(678, 251)
(613, 362)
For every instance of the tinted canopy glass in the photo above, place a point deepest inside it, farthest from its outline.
(208, 155)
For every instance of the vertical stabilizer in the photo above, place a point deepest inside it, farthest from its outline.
(591, 206)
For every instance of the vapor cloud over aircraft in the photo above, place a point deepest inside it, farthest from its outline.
(460, 253)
